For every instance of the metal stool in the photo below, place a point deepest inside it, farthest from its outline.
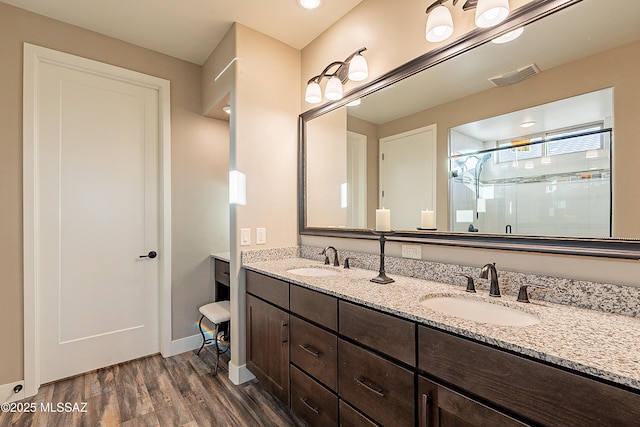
(217, 313)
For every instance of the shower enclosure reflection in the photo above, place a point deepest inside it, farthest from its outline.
(553, 182)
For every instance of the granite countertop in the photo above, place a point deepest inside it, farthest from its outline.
(222, 256)
(599, 344)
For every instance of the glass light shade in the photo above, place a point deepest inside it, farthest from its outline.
(358, 69)
(309, 4)
(510, 36)
(237, 188)
(439, 24)
(313, 95)
(491, 12)
(333, 91)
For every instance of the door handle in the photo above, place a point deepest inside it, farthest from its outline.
(151, 254)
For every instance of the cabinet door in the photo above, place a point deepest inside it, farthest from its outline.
(439, 406)
(268, 346)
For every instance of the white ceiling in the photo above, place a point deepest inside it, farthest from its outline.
(191, 29)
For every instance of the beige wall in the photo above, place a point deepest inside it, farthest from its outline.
(199, 149)
(394, 34)
(327, 146)
(617, 68)
(370, 130)
(265, 100)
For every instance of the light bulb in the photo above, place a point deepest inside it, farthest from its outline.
(491, 12)
(439, 25)
(333, 91)
(313, 95)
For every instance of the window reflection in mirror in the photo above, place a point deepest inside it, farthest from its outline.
(535, 171)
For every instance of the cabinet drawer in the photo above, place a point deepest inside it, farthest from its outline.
(273, 290)
(349, 417)
(315, 351)
(315, 306)
(376, 386)
(382, 332)
(221, 271)
(541, 393)
(314, 404)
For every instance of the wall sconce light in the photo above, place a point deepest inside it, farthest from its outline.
(353, 68)
(440, 22)
(237, 188)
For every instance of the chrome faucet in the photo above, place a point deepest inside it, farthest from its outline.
(336, 263)
(490, 269)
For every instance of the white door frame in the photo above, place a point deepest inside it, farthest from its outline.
(434, 129)
(33, 56)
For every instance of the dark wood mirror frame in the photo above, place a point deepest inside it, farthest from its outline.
(533, 11)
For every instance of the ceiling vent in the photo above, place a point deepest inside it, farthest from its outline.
(515, 76)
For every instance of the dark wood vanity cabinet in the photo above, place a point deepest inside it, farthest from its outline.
(222, 279)
(268, 334)
(340, 363)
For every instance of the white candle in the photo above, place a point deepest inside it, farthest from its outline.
(426, 219)
(383, 219)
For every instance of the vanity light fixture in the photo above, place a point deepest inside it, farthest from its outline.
(353, 68)
(440, 22)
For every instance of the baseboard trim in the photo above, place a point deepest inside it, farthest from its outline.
(239, 374)
(185, 344)
(7, 394)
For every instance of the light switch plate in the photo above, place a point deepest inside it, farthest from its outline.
(245, 236)
(261, 236)
(412, 251)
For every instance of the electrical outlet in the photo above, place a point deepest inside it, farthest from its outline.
(412, 251)
(261, 236)
(245, 236)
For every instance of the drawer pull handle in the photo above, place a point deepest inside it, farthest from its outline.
(312, 408)
(310, 350)
(283, 335)
(426, 409)
(369, 386)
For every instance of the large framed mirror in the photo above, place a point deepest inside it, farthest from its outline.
(466, 162)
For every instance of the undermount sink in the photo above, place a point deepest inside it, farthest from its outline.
(480, 311)
(313, 272)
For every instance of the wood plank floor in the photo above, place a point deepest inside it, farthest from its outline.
(178, 391)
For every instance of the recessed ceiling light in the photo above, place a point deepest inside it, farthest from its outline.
(309, 4)
(510, 36)
(527, 124)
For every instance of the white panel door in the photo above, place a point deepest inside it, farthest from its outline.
(97, 162)
(407, 176)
